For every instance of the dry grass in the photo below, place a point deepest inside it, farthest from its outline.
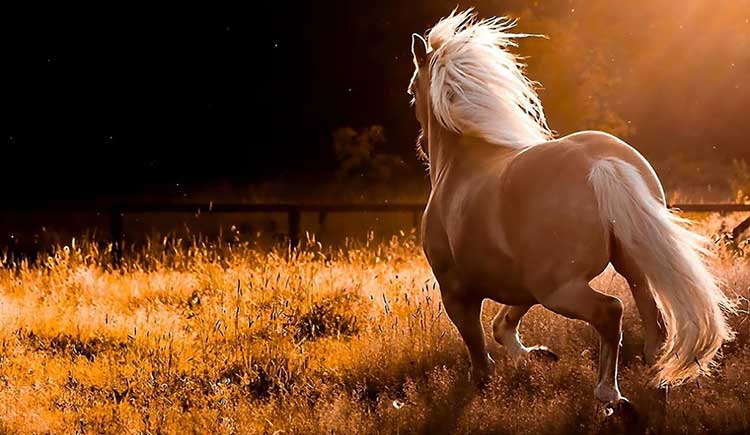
(195, 338)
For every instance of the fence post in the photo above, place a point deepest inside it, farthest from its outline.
(416, 221)
(116, 230)
(322, 215)
(741, 228)
(294, 221)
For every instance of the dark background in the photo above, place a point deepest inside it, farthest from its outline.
(123, 102)
(118, 101)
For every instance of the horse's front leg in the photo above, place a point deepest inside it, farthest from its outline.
(465, 312)
(466, 315)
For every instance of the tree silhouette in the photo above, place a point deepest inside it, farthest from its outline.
(358, 158)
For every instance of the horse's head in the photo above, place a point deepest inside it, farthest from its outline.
(419, 87)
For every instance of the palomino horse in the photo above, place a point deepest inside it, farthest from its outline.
(520, 218)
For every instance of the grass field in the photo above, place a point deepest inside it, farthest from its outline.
(189, 337)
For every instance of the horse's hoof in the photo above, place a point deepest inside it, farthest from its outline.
(620, 408)
(541, 353)
(480, 379)
(480, 374)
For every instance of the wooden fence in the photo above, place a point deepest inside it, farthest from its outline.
(118, 212)
(294, 211)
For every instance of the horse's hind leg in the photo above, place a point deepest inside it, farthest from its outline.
(654, 332)
(505, 330)
(577, 300)
(653, 329)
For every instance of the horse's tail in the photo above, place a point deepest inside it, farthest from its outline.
(672, 258)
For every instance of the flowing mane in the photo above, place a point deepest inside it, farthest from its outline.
(478, 87)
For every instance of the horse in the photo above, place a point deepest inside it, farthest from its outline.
(522, 218)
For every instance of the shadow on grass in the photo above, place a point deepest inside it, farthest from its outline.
(439, 420)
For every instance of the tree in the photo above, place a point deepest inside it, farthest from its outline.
(357, 156)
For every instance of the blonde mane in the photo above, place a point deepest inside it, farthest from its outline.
(478, 87)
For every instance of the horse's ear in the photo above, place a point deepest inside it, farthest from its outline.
(418, 49)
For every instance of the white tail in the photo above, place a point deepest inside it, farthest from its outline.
(672, 258)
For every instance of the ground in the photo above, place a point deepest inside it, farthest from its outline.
(191, 337)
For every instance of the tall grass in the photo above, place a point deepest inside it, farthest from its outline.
(197, 337)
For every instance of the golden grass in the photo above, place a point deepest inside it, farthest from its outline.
(197, 338)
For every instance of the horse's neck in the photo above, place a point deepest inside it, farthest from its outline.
(453, 155)
(442, 148)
